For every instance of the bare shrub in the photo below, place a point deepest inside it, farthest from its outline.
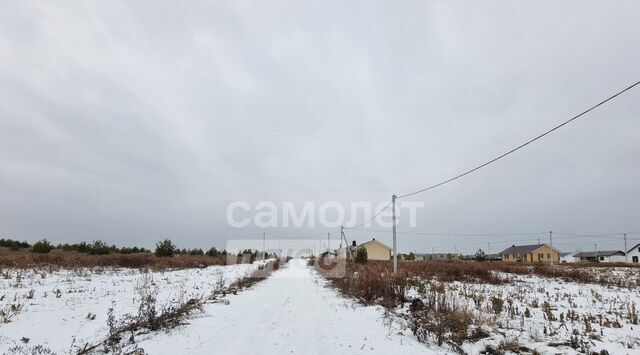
(440, 317)
(30, 350)
(372, 283)
(632, 314)
(497, 304)
(376, 283)
(9, 311)
(506, 346)
(150, 317)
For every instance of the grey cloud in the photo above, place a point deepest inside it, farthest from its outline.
(132, 121)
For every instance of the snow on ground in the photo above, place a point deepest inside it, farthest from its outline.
(292, 312)
(537, 311)
(57, 306)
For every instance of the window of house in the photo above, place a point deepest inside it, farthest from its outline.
(548, 255)
(602, 258)
(540, 256)
(635, 259)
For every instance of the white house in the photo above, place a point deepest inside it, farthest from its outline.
(602, 256)
(634, 254)
(568, 257)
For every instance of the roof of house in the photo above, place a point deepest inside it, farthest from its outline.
(519, 249)
(376, 242)
(562, 255)
(593, 254)
(633, 248)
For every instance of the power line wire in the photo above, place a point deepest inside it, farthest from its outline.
(524, 144)
(296, 236)
(448, 234)
(372, 218)
(596, 235)
(507, 243)
(566, 237)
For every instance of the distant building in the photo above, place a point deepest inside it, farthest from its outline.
(375, 250)
(634, 254)
(568, 257)
(437, 256)
(602, 256)
(530, 253)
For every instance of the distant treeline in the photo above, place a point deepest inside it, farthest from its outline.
(13, 244)
(164, 248)
(97, 247)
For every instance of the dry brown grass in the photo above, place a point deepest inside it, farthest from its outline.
(375, 283)
(452, 271)
(595, 273)
(440, 317)
(68, 259)
(436, 315)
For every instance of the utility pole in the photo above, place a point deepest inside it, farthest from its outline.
(489, 251)
(595, 249)
(626, 255)
(328, 243)
(551, 248)
(347, 250)
(264, 236)
(395, 250)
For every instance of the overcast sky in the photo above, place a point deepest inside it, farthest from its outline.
(132, 121)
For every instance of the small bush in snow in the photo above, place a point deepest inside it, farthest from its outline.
(361, 255)
(481, 255)
(9, 311)
(42, 247)
(165, 248)
(497, 304)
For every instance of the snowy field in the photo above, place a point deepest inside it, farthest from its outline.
(544, 315)
(295, 312)
(291, 312)
(62, 308)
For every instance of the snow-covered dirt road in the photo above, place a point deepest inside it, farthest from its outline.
(292, 312)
